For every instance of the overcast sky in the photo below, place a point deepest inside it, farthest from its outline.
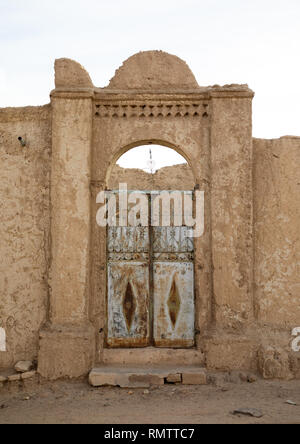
(223, 41)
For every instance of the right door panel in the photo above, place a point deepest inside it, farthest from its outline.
(173, 304)
(173, 288)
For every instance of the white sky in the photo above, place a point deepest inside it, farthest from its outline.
(140, 158)
(223, 41)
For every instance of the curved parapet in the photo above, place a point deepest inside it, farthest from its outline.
(154, 70)
(70, 74)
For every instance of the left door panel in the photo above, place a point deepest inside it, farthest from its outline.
(128, 287)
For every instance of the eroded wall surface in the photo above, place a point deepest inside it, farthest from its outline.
(277, 231)
(24, 228)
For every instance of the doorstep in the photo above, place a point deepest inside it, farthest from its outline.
(141, 377)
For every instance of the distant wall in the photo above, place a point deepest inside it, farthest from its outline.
(24, 228)
(277, 231)
(177, 177)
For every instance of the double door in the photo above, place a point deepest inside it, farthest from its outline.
(150, 294)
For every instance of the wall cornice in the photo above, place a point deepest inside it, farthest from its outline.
(108, 95)
(72, 93)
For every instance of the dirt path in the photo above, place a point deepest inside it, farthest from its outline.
(76, 402)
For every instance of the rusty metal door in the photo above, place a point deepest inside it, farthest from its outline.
(128, 287)
(173, 287)
(150, 286)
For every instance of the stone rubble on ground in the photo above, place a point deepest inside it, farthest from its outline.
(17, 377)
(24, 366)
(290, 402)
(248, 412)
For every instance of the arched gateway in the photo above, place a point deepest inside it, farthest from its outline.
(153, 98)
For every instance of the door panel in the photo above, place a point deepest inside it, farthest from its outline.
(173, 304)
(128, 286)
(172, 240)
(173, 289)
(127, 240)
(128, 304)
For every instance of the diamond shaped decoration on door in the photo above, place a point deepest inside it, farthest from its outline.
(174, 303)
(129, 306)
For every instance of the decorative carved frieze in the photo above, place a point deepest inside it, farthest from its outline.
(151, 110)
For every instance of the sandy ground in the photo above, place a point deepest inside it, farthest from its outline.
(77, 403)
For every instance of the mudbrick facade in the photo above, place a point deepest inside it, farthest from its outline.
(59, 284)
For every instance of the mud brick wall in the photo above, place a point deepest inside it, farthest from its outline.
(24, 228)
(277, 231)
